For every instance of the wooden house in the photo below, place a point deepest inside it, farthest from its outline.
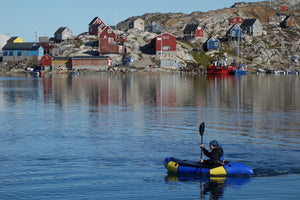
(252, 27)
(107, 45)
(236, 20)
(62, 34)
(235, 31)
(107, 32)
(96, 25)
(61, 63)
(107, 42)
(153, 27)
(22, 51)
(46, 60)
(192, 30)
(212, 43)
(277, 18)
(91, 62)
(164, 42)
(138, 24)
(289, 21)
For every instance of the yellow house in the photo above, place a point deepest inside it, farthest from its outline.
(15, 40)
(138, 24)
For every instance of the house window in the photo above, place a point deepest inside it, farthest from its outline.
(216, 44)
(11, 53)
(19, 53)
(109, 31)
(5, 53)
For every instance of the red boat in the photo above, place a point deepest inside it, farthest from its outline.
(220, 69)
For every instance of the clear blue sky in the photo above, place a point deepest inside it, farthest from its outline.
(24, 18)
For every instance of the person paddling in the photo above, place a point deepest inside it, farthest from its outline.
(216, 155)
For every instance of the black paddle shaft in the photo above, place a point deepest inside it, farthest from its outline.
(201, 132)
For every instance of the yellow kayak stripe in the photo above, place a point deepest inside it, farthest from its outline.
(218, 171)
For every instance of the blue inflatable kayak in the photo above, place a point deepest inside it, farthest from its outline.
(189, 167)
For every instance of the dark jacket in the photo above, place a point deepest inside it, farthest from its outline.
(215, 156)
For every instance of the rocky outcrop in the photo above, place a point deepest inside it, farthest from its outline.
(275, 47)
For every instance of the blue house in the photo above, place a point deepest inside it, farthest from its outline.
(212, 44)
(20, 51)
(235, 31)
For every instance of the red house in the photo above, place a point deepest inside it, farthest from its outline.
(91, 62)
(95, 26)
(46, 60)
(164, 43)
(283, 8)
(192, 30)
(236, 20)
(107, 32)
(107, 45)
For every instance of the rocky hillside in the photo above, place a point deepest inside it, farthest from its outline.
(277, 46)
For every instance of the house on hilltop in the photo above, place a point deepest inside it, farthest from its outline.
(96, 25)
(191, 31)
(289, 21)
(252, 27)
(153, 27)
(138, 24)
(62, 34)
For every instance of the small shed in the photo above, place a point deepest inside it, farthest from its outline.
(91, 62)
(46, 60)
(212, 43)
(122, 38)
(235, 31)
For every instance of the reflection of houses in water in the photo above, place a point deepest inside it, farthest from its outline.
(166, 93)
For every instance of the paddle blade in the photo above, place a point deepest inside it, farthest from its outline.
(201, 128)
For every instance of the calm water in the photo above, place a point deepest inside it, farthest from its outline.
(103, 136)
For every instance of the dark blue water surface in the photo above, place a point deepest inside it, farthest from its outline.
(106, 136)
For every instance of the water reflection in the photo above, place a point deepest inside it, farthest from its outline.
(211, 187)
(252, 93)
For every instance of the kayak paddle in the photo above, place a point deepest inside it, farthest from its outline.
(201, 131)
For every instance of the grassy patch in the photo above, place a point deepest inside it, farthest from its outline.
(202, 58)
